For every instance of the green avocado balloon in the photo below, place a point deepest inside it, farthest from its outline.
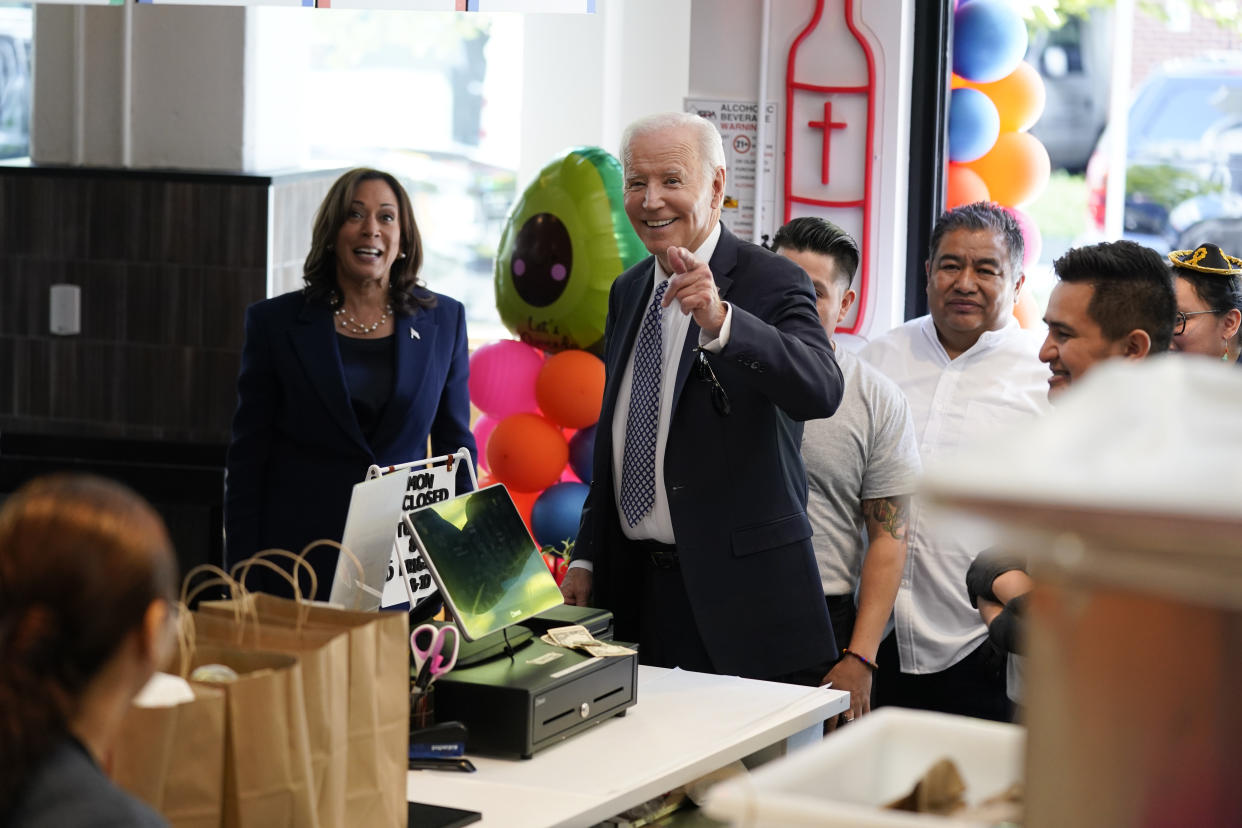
(566, 239)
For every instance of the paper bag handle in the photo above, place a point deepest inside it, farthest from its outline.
(243, 611)
(344, 550)
(222, 578)
(242, 568)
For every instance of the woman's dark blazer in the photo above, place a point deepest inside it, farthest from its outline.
(297, 448)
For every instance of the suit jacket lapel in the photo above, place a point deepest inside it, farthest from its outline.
(722, 262)
(414, 352)
(314, 340)
(632, 303)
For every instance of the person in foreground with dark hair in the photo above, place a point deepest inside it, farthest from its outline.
(1113, 299)
(860, 466)
(965, 368)
(1208, 283)
(359, 367)
(87, 584)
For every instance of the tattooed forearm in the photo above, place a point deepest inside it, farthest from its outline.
(892, 514)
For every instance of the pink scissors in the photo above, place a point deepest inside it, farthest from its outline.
(438, 656)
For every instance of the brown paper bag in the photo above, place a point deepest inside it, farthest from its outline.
(172, 758)
(324, 656)
(379, 704)
(267, 768)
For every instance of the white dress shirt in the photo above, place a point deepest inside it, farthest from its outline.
(997, 382)
(657, 524)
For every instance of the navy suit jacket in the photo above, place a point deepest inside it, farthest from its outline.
(297, 448)
(736, 484)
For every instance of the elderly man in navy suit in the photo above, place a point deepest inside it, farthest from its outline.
(695, 532)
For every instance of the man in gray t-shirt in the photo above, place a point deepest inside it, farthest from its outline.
(860, 465)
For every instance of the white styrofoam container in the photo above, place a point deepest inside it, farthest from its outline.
(844, 780)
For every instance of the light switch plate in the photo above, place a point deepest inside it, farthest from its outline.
(65, 316)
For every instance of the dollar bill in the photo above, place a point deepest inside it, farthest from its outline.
(572, 636)
(577, 637)
(603, 648)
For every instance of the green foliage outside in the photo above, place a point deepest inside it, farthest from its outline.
(1166, 184)
(1050, 14)
(1061, 210)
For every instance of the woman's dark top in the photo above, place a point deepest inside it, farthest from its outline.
(369, 367)
(68, 790)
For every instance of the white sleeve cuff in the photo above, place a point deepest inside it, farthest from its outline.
(717, 345)
(582, 564)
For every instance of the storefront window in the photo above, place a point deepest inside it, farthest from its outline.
(434, 99)
(16, 89)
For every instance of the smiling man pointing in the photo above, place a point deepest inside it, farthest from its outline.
(695, 532)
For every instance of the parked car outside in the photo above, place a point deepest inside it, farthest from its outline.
(1075, 64)
(1183, 158)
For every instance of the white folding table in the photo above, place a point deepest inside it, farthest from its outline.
(684, 726)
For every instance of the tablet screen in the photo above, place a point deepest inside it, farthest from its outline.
(485, 562)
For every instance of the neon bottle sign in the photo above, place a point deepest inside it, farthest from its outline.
(830, 131)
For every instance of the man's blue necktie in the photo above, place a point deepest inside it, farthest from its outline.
(638, 460)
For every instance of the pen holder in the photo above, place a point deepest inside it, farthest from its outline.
(422, 707)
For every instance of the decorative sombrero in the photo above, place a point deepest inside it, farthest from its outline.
(1207, 258)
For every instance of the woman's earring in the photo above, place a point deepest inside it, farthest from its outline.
(400, 255)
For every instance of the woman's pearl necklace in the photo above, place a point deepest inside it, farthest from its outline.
(354, 326)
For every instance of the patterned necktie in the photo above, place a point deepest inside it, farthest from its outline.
(638, 461)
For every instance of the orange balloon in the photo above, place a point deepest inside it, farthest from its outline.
(527, 452)
(1019, 97)
(1015, 170)
(956, 81)
(1026, 311)
(963, 186)
(570, 388)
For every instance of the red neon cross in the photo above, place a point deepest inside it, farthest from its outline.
(826, 125)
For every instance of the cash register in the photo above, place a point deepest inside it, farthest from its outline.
(515, 693)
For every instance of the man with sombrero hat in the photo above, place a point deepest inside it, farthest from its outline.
(1208, 284)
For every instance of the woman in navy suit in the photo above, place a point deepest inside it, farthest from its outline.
(360, 367)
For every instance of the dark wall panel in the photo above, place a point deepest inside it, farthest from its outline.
(167, 263)
(166, 266)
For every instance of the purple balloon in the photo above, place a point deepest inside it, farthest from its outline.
(582, 452)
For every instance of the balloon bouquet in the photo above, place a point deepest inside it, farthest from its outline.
(995, 98)
(565, 240)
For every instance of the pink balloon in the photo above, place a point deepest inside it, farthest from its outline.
(502, 377)
(568, 476)
(1032, 239)
(482, 430)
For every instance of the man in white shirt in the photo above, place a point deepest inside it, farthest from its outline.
(965, 368)
(695, 531)
(861, 464)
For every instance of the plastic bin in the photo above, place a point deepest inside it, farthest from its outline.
(846, 780)
(1127, 501)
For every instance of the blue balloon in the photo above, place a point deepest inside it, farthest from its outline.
(582, 452)
(989, 40)
(974, 124)
(554, 517)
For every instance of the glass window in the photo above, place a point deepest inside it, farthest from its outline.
(16, 89)
(434, 99)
